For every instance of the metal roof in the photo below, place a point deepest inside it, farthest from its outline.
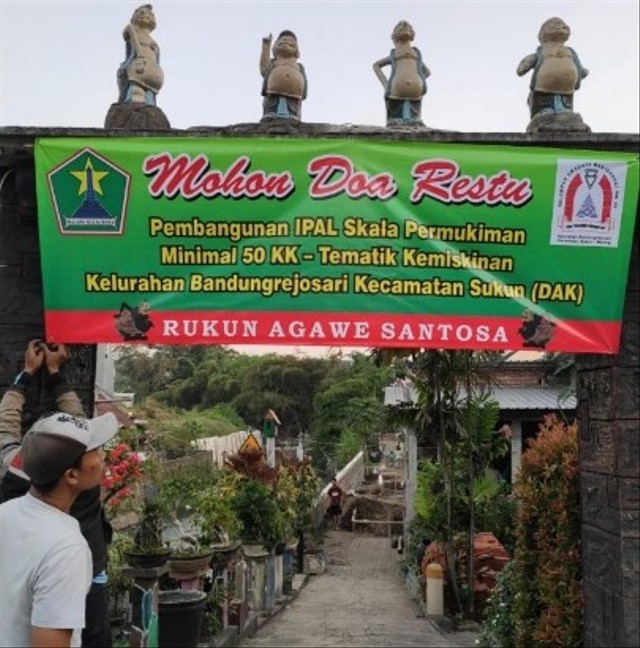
(533, 398)
(509, 398)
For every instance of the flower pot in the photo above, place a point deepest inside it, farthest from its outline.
(254, 550)
(224, 553)
(149, 559)
(190, 564)
(180, 614)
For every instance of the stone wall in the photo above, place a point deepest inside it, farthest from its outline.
(21, 307)
(608, 415)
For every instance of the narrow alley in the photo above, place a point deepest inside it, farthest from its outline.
(360, 600)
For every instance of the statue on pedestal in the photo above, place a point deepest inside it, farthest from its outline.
(284, 83)
(407, 83)
(557, 74)
(140, 76)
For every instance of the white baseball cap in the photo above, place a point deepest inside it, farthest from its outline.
(55, 443)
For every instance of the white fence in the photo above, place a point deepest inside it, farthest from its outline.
(349, 478)
(223, 446)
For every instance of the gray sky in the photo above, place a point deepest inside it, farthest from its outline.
(58, 60)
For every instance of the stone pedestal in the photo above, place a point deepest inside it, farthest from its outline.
(256, 558)
(136, 116)
(144, 605)
(566, 122)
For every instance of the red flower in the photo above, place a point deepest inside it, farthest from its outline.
(122, 472)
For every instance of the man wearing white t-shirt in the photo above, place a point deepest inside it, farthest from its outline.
(45, 562)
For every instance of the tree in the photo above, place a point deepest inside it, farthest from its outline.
(445, 381)
(350, 403)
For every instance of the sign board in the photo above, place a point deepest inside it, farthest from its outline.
(334, 242)
(250, 444)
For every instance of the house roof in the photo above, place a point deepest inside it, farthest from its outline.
(533, 398)
(509, 398)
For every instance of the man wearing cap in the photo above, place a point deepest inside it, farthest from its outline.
(87, 508)
(44, 583)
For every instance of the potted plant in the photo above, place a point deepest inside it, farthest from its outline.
(200, 516)
(149, 549)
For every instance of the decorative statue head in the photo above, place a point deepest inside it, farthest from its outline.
(143, 16)
(403, 31)
(554, 30)
(286, 44)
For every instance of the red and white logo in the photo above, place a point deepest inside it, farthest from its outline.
(587, 204)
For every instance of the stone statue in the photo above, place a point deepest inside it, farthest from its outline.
(284, 83)
(407, 83)
(140, 76)
(557, 73)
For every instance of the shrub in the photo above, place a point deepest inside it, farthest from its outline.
(547, 560)
(257, 511)
(498, 625)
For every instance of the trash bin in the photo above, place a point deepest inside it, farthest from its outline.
(180, 614)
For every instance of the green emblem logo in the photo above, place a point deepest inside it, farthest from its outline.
(90, 194)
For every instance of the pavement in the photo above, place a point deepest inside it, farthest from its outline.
(360, 600)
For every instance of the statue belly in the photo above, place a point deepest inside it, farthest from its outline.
(557, 75)
(285, 80)
(406, 82)
(146, 74)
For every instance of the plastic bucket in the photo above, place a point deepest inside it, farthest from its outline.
(180, 614)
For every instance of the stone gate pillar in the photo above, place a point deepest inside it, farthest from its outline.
(21, 307)
(608, 419)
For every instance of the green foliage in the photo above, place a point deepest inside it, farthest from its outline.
(117, 584)
(498, 627)
(297, 490)
(431, 505)
(494, 505)
(349, 444)
(349, 402)
(257, 511)
(171, 433)
(197, 498)
(496, 509)
(547, 561)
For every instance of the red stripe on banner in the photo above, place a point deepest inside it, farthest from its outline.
(332, 329)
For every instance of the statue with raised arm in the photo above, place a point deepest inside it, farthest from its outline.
(140, 76)
(557, 74)
(284, 84)
(407, 83)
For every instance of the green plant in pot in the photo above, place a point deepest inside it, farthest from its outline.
(199, 510)
(149, 549)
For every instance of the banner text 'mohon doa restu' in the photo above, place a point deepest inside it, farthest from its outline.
(334, 242)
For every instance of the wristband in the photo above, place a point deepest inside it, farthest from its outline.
(23, 379)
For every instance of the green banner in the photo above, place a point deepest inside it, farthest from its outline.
(334, 241)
